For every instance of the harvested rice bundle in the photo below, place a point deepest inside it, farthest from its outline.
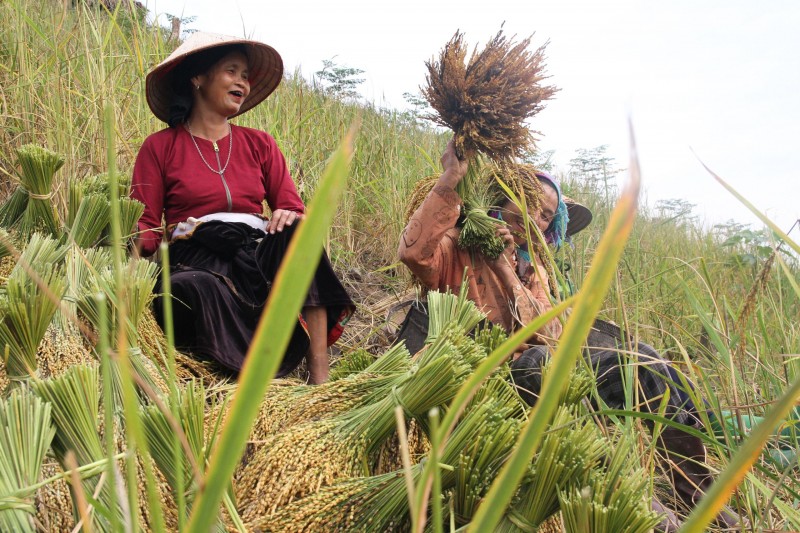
(75, 400)
(60, 350)
(487, 100)
(40, 254)
(160, 436)
(351, 363)
(54, 501)
(448, 312)
(290, 405)
(139, 280)
(5, 244)
(38, 165)
(569, 451)
(26, 311)
(11, 211)
(380, 503)
(130, 212)
(26, 431)
(90, 221)
(306, 457)
(613, 499)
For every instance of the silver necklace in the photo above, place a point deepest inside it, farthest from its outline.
(221, 171)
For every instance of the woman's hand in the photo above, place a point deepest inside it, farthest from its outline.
(282, 218)
(454, 168)
(505, 266)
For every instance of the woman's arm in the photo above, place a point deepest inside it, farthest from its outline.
(421, 246)
(147, 186)
(281, 194)
(527, 300)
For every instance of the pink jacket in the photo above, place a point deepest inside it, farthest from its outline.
(429, 248)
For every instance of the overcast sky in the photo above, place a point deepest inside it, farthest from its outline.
(720, 78)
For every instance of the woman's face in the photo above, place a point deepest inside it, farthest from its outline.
(224, 88)
(549, 206)
(516, 220)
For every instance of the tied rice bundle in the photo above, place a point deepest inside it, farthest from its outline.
(5, 244)
(90, 221)
(11, 211)
(447, 312)
(25, 313)
(322, 452)
(161, 438)
(130, 212)
(42, 253)
(75, 400)
(25, 435)
(38, 165)
(569, 451)
(380, 503)
(612, 500)
(486, 100)
(352, 362)
(294, 404)
(125, 306)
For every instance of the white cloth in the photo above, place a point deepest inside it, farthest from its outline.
(185, 229)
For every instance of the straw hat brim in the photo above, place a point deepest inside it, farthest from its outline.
(579, 216)
(264, 64)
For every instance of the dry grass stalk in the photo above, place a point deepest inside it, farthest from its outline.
(487, 100)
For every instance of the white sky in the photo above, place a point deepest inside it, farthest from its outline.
(718, 77)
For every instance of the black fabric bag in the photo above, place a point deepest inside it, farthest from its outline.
(414, 328)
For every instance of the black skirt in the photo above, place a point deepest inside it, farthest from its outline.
(221, 277)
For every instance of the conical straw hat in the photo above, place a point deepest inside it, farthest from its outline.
(264, 64)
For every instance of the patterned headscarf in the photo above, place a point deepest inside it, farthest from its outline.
(557, 230)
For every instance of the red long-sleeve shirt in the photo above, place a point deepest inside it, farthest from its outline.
(170, 178)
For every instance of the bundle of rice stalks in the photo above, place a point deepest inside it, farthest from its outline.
(60, 350)
(479, 463)
(569, 451)
(38, 165)
(75, 400)
(127, 305)
(5, 244)
(41, 253)
(130, 212)
(479, 230)
(614, 499)
(306, 457)
(486, 100)
(380, 503)
(26, 311)
(90, 221)
(25, 435)
(489, 336)
(54, 501)
(11, 211)
(291, 405)
(447, 312)
(183, 475)
(350, 363)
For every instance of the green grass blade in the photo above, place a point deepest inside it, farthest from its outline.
(740, 464)
(272, 335)
(590, 299)
(774, 227)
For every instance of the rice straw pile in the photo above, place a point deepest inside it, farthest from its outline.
(487, 99)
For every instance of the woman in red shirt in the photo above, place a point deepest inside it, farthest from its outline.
(204, 181)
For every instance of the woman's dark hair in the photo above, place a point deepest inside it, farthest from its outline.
(180, 79)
